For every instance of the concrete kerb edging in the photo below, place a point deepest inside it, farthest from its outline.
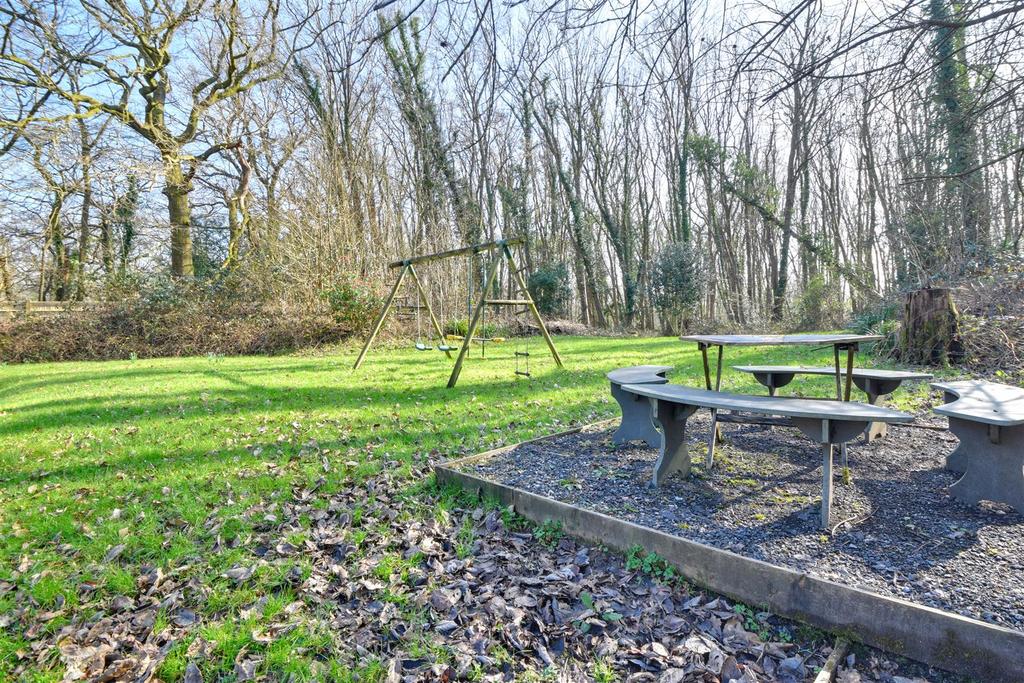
(938, 638)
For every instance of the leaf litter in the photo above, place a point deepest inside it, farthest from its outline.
(433, 594)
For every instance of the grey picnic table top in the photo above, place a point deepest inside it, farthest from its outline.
(778, 339)
(639, 373)
(990, 403)
(767, 405)
(872, 373)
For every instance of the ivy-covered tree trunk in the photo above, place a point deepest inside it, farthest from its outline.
(437, 168)
(84, 229)
(177, 189)
(6, 280)
(54, 242)
(106, 244)
(964, 190)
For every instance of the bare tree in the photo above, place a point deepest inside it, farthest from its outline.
(138, 59)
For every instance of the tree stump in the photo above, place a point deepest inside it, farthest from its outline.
(931, 328)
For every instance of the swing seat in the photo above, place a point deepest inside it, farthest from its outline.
(445, 347)
(423, 347)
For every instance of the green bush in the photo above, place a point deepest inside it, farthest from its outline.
(549, 288)
(486, 328)
(818, 307)
(883, 320)
(677, 281)
(353, 305)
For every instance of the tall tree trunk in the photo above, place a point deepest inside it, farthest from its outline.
(793, 167)
(177, 189)
(84, 232)
(6, 281)
(238, 212)
(953, 90)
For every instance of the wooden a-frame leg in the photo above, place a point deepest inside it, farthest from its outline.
(471, 331)
(380, 318)
(674, 455)
(525, 292)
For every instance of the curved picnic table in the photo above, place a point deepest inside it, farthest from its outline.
(839, 342)
(988, 419)
(824, 421)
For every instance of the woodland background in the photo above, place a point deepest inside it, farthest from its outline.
(235, 176)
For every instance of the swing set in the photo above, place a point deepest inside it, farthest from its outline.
(500, 250)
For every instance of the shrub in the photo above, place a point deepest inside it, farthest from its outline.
(353, 305)
(882, 320)
(486, 328)
(677, 281)
(818, 307)
(549, 288)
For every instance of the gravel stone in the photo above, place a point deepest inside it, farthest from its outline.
(896, 529)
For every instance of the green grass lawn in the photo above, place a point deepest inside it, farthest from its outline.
(153, 454)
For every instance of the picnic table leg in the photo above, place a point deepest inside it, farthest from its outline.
(718, 372)
(839, 396)
(707, 383)
(993, 459)
(826, 484)
(843, 394)
(839, 379)
(715, 433)
(707, 370)
(636, 424)
(849, 372)
(674, 455)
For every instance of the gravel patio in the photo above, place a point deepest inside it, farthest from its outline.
(895, 529)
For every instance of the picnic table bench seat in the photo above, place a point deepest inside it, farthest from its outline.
(636, 421)
(825, 422)
(988, 419)
(875, 382)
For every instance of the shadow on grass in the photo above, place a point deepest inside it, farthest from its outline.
(207, 395)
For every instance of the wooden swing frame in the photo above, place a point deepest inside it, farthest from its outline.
(503, 249)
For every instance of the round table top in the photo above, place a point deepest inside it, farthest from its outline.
(640, 374)
(779, 339)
